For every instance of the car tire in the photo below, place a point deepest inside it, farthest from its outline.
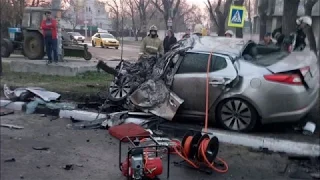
(117, 47)
(93, 44)
(236, 115)
(101, 44)
(82, 41)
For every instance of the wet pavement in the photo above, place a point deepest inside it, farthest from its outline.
(94, 154)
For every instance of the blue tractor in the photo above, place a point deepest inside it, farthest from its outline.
(30, 42)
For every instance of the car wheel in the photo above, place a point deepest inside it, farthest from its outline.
(33, 45)
(82, 41)
(6, 48)
(117, 47)
(93, 44)
(237, 115)
(119, 89)
(101, 44)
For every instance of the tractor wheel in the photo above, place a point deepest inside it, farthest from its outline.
(33, 45)
(87, 56)
(6, 48)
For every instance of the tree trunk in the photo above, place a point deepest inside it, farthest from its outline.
(262, 10)
(239, 31)
(290, 9)
(309, 31)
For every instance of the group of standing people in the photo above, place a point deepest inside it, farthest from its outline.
(153, 46)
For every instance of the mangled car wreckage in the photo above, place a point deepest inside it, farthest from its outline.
(248, 83)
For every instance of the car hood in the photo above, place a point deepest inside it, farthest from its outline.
(293, 61)
(109, 39)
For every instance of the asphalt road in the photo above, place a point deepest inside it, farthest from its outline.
(94, 154)
(130, 52)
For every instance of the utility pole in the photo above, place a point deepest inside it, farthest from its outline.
(122, 29)
(56, 5)
(85, 20)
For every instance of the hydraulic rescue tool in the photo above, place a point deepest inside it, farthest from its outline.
(143, 161)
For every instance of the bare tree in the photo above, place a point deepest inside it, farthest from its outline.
(196, 16)
(249, 7)
(290, 10)
(71, 14)
(309, 4)
(114, 9)
(168, 8)
(132, 12)
(142, 6)
(263, 16)
(219, 14)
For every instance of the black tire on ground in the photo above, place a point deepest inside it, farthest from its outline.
(117, 47)
(6, 48)
(101, 44)
(237, 115)
(93, 44)
(87, 56)
(82, 41)
(33, 45)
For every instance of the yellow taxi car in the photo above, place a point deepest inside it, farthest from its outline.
(104, 40)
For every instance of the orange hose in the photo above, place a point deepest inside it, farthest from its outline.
(185, 150)
(203, 146)
(207, 94)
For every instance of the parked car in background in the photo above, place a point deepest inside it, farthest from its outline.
(77, 36)
(248, 83)
(104, 40)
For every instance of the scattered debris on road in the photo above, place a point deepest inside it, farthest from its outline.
(11, 126)
(41, 148)
(4, 111)
(10, 160)
(68, 167)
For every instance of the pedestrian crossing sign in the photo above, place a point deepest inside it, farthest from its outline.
(236, 16)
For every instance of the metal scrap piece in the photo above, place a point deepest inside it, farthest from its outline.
(11, 126)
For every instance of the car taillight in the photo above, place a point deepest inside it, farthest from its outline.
(304, 70)
(293, 79)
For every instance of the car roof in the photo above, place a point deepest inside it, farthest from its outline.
(221, 45)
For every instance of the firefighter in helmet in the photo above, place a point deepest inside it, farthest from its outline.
(152, 45)
(302, 23)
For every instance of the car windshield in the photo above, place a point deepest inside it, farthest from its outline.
(76, 34)
(107, 36)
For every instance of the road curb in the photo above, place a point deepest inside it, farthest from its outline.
(272, 144)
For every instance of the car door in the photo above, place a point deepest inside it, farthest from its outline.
(97, 39)
(190, 80)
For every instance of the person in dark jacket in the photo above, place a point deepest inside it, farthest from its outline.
(169, 40)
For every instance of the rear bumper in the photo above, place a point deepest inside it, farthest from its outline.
(296, 114)
(111, 44)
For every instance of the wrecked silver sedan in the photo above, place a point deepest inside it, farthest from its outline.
(248, 83)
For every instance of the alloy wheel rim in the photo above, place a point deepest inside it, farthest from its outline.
(120, 90)
(236, 115)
